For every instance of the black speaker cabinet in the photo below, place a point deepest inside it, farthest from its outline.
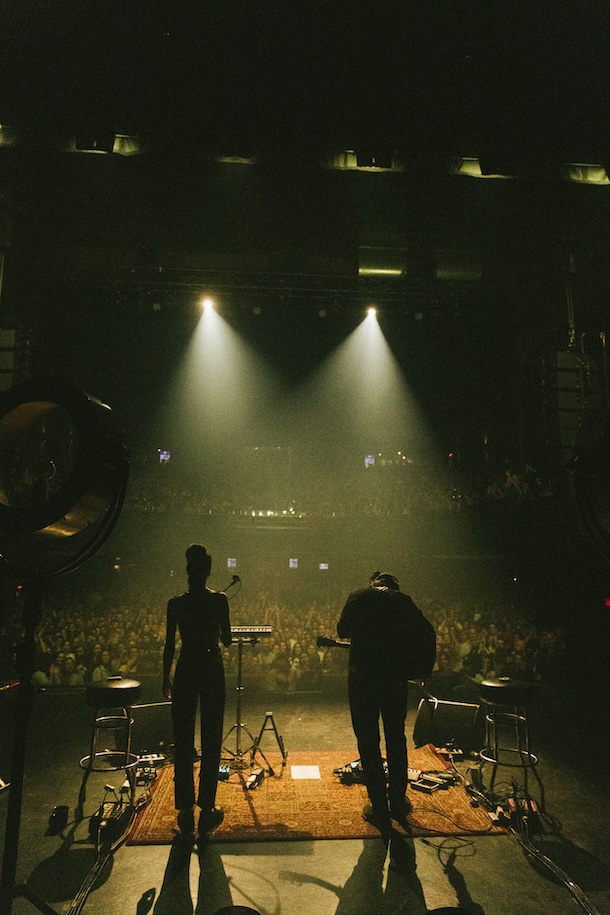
(152, 728)
(445, 723)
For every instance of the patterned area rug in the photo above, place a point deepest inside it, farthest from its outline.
(305, 800)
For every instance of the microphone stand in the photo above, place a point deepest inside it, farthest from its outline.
(235, 581)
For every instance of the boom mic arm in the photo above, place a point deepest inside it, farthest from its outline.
(236, 580)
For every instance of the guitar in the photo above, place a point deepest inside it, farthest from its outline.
(324, 641)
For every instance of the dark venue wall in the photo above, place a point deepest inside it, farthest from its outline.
(436, 166)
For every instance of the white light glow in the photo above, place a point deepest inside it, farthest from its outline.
(216, 402)
(8, 135)
(125, 145)
(586, 174)
(380, 271)
(471, 167)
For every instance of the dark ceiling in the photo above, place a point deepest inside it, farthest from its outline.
(521, 86)
(506, 80)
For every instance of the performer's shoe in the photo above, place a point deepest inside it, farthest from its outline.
(401, 813)
(186, 822)
(210, 819)
(380, 820)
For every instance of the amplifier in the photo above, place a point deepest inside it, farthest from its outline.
(443, 723)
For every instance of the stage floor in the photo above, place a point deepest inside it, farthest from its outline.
(485, 876)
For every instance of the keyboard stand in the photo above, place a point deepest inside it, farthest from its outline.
(240, 758)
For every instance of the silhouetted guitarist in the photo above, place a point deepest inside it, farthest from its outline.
(391, 642)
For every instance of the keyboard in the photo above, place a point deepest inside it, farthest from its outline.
(250, 632)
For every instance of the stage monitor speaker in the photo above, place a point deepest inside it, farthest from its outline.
(152, 728)
(442, 723)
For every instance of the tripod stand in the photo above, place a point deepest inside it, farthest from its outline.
(269, 725)
(244, 757)
(238, 756)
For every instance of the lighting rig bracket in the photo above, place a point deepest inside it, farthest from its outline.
(64, 467)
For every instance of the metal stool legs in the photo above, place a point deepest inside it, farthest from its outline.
(120, 721)
(111, 700)
(507, 742)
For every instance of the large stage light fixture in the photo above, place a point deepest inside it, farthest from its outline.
(591, 480)
(63, 475)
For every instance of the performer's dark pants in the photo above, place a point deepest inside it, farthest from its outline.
(368, 699)
(202, 681)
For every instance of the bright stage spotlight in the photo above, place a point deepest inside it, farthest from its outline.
(207, 304)
(216, 403)
(359, 398)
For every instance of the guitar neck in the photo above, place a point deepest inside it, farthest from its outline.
(324, 641)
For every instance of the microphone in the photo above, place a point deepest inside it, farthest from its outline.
(236, 578)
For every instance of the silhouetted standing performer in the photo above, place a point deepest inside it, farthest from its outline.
(391, 642)
(201, 617)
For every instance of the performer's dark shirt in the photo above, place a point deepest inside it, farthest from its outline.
(378, 622)
(202, 618)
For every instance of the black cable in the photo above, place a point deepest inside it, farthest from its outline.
(521, 835)
(441, 813)
(457, 846)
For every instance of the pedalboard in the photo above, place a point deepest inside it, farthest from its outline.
(144, 775)
(429, 782)
(106, 820)
(526, 810)
(146, 771)
(152, 759)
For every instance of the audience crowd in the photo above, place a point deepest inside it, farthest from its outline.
(120, 628)
(88, 638)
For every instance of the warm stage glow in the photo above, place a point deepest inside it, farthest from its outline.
(350, 438)
(380, 271)
(217, 397)
(359, 399)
